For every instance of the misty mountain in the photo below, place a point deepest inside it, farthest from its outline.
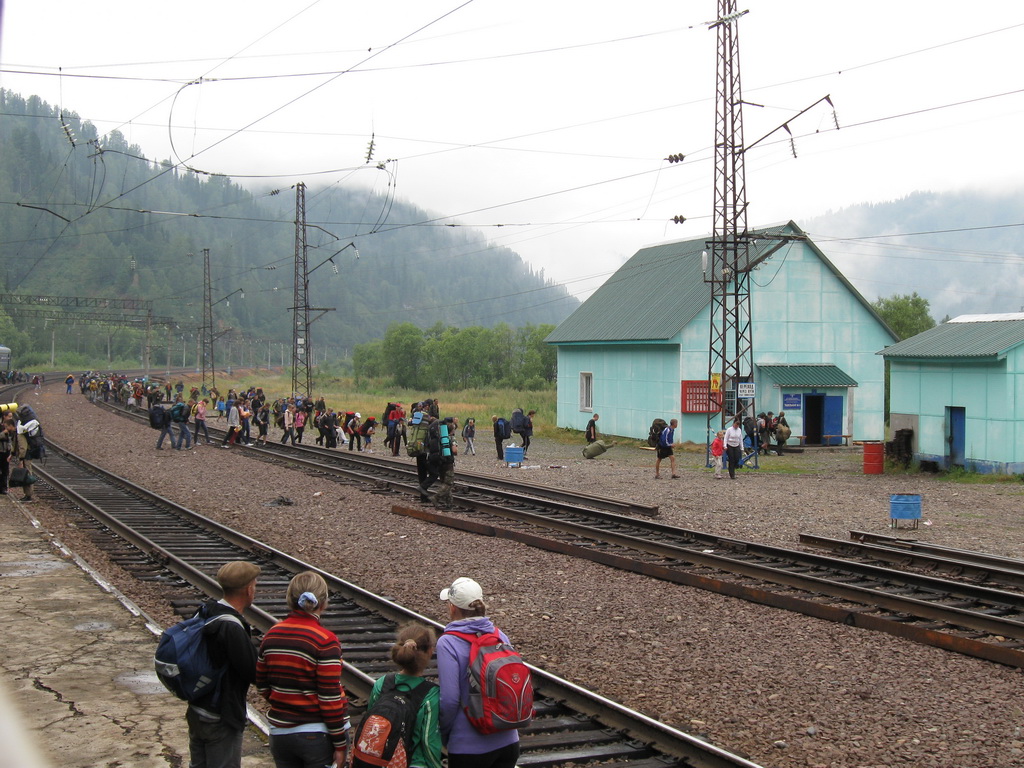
(960, 250)
(93, 216)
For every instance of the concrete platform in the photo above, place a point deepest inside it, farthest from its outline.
(77, 686)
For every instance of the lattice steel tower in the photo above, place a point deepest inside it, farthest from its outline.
(206, 332)
(302, 383)
(731, 354)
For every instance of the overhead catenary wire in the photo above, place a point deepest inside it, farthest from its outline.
(497, 224)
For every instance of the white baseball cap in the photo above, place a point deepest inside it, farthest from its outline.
(462, 593)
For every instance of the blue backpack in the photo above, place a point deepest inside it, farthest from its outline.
(182, 659)
(504, 429)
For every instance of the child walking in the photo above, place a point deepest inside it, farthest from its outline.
(468, 434)
(717, 449)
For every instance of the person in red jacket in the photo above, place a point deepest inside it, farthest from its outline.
(298, 671)
(717, 449)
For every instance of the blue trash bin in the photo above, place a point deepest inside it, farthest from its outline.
(904, 506)
(514, 455)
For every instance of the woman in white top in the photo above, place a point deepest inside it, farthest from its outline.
(734, 446)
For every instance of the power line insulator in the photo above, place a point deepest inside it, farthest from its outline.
(676, 158)
(678, 219)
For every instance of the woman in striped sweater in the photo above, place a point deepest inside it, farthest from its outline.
(299, 672)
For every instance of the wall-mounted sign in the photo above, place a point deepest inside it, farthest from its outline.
(792, 402)
(716, 382)
(745, 389)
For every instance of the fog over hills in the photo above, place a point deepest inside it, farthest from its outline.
(963, 251)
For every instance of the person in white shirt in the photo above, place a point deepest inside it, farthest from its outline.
(734, 446)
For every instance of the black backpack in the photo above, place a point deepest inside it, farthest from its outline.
(654, 435)
(384, 736)
(36, 442)
(518, 420)
(158, 417)
(433, 443)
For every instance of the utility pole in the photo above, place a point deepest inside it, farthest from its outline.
(303, 360)
(301, 376)
(731, 349)
(206, 333)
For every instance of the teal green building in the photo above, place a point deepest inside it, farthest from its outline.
(960, 387)
(637, 349)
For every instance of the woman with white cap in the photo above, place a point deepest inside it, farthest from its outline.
(467, 747)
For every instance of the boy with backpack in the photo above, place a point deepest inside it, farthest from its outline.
(478, 726)
(469, 435)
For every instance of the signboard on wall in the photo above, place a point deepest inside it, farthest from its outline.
(792, 402)
(745, 389)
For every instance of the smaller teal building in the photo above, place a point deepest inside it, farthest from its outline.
(960, 387)
(638, 348)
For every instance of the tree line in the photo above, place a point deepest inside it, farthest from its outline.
(450, 358)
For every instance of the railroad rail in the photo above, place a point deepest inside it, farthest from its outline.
(969, 619)
(976, 567)
(163, 542)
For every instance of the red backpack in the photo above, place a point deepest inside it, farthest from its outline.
(500, 685)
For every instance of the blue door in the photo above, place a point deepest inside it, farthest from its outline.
(832, 420)
(956, 420)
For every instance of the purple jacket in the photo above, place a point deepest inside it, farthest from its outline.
(457, 733)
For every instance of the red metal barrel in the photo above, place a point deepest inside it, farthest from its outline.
(874, 458)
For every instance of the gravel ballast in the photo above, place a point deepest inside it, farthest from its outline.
(780, 688)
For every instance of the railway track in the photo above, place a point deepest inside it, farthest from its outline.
(381, 472)
(162, 542)
(967, 618)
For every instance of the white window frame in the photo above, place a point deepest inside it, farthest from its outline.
(730, 403)
(586, 391)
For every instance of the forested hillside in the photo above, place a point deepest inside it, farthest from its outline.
(961, 250)
(85, 215)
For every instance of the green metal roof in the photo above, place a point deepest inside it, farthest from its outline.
(808, 376)
(975, 339)
(655, 294)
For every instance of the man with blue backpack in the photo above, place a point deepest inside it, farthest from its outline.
(213, 672)
(502, 432)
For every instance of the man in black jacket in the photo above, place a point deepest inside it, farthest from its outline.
(217, 722)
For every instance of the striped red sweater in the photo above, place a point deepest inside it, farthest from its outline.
(299, 672)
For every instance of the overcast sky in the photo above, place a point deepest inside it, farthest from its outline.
(546, 124)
